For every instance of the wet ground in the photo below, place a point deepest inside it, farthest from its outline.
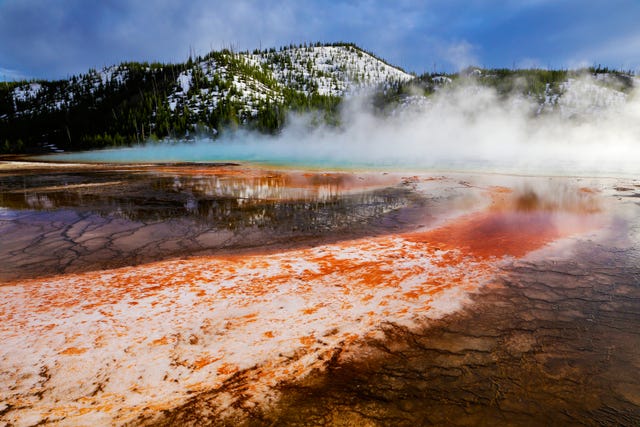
(74, 220)
(257, 297)
(553, 339)
(552, 343)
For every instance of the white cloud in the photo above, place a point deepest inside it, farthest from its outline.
(459, 54)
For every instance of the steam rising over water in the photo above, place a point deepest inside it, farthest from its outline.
(467, 128)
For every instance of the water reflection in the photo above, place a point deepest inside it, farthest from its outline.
(76, 221)
(226, 201)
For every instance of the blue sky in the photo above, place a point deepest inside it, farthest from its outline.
(58, 38)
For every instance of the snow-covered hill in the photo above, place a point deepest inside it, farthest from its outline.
(132, 102)
(206, 84)
(580, 94)
(328, 70)
(251, 82)
(255, 79)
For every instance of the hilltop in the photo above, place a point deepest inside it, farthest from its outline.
(225, 90)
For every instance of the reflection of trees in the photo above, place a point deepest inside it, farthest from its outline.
(226, 202)
(251, 189)
(302, 215)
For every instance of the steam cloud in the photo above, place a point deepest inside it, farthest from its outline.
(595, 131)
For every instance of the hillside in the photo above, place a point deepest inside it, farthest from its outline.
(132, 102)
(568, 94)
(224, 90)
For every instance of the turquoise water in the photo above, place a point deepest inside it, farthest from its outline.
(338, 154)
(266, 151)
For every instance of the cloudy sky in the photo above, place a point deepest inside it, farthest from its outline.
(58, 38)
